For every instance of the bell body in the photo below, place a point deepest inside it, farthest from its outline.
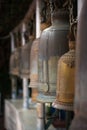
(14, 62)
(53, 44)
(34, 69)
(34, 64)
(25, 60)
(65, 81)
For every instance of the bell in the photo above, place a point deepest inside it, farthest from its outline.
(66, 80)
(14, 62)
(25, 60)
(34, 68)
(53, 44)
(34, 64)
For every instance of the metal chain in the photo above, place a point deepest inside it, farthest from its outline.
(71, 17)
(51, 6)
(71, 13)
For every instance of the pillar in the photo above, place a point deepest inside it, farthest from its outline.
(80, 120)
(41, 116)
(25, 81)
(13, 78)
(25, 93)
(40, 106)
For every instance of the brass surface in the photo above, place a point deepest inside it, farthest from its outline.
(65, 81)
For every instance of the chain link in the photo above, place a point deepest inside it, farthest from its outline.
(71, 17)
(51, 6)
(71, 13)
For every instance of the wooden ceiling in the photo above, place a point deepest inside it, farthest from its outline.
(12, 12)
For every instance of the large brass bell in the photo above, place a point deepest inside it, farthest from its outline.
(14, 62)
(66, 80)
(53, 44)
(34, 68)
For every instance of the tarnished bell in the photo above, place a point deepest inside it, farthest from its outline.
(25, 60)
(34, 69)
(14, 62)
(66, 80)
(34, 64)
(53, 44)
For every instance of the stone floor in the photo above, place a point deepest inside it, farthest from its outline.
(28, 117)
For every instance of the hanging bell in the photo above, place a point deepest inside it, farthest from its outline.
(66, 80)
(34, 68)
(53, 44)
(25, 60)
(14, 62)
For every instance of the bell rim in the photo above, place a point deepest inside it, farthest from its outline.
(45, 98)
(63, 106)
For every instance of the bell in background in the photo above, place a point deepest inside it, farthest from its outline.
(34, 68)
(25, 60)
(53, 44)
(14, 62)
(43, 24)
(66, 79)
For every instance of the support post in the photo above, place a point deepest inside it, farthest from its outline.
(25, 81)
(14, 87)
(13, 78)
(40, 106)
(41, 116)
(38, 31)
(25, 93)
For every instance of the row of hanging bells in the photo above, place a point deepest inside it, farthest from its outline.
(48, 71)
(53, 44)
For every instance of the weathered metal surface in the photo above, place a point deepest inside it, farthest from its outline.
(66, 81)
(25, 94)
(34, 64)
(25, 60)
(40, 110)
(53, 44)
(34, 94)
(80, 119)
(14, 62)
